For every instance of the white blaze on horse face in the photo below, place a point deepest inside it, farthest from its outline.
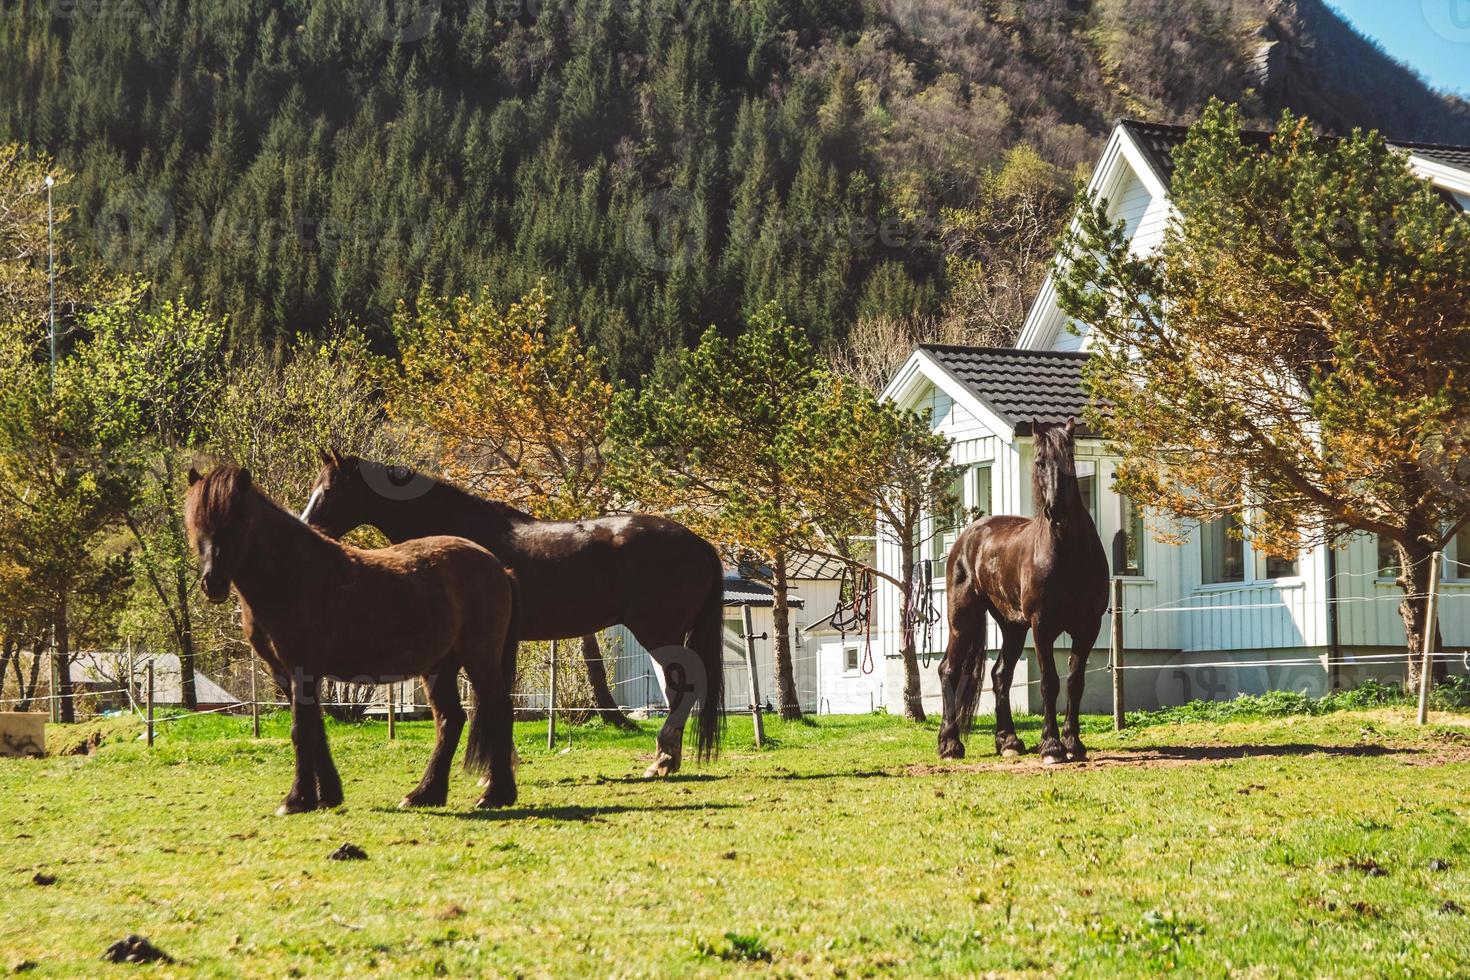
(316, 496)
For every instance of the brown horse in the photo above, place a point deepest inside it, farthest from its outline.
(313, 608)
(656, 577)
(1047, 574)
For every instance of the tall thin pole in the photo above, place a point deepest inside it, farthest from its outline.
(392, 713)
(1118, 720)
(551, 702)
(1431, 619)
(254, 700)
(150, 702)
(755, 685)
(51, 270)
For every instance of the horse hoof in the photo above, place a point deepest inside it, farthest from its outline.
(484, 781)
(1053, 760)
(294, 806)
(664, 765)
(951, 750)
(496, 801)
(1009, 753)
(411, 802)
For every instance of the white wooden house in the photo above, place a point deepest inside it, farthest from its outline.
(986, 399)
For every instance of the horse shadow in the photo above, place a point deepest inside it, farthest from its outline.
(574, 813)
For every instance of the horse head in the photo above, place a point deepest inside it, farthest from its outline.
(1054, 479)
(350, 491)
(218, 523)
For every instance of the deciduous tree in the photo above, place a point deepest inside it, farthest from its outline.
(745, 440)
(1296, 351)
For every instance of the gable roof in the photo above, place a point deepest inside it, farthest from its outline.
(1022, 387)
(1158, 141)
(110, 669)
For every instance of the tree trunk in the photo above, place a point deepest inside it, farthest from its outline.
(788, 702)
(1414, 560)
(28, 692)
(63, 663)
(9, 651)
(181, 587)
(607, 705)
(913, 685)
(186, 642)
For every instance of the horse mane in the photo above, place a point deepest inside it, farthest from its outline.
(455, 492)
(218, 496)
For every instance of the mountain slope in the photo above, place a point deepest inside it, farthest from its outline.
(667, 164)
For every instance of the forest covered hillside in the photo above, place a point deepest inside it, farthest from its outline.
(665, 164)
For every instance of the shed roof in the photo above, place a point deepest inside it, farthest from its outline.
(110, 669)
(742, 591)
(1022, 387)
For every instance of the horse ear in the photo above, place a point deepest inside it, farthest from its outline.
(336, 456)
(245, 479)
(194, 476)
(325, 457)
(1071, 426)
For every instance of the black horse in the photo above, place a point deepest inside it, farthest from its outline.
(662, 581)
(1047, 574)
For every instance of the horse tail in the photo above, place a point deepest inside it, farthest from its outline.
(484, 728)
(969, 676)
(707, 640)
(972, 679)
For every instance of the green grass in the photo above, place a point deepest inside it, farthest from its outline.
(1302, 845)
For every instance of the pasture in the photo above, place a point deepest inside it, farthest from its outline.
(1329, 845)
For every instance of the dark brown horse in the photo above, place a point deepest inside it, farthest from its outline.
(656, 577)
(1047, 574)
(313, 608)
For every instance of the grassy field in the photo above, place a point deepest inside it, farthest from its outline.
(1330, 845)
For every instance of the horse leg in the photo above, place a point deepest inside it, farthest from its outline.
(1082, 642)
(1050, 748)
(1013, 642)
(959, 674)
(307, 731)
(449, 718)
(495, 701)
(669, 747)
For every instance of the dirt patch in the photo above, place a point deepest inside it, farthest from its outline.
(1193, 755)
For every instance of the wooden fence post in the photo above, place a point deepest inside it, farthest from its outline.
(1431, 620)
(755, 684)
(1118, 694)
(551, 703)
(254, 699)
(392, 712)
(150, 702)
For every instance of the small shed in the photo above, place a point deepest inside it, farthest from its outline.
(112, 676)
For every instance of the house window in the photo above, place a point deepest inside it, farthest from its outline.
(1388, 558)
(1222, 551)
(1282, 567)
(1087, 487)
(952, 515)
(980, 503)
(1131, 524)
(850, 659)
(1458, 560)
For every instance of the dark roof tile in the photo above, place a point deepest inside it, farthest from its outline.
(1023, 387)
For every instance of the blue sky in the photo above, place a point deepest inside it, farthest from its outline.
(1432, 36)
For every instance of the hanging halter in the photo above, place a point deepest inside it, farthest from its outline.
(857, 614)
(922, 613)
